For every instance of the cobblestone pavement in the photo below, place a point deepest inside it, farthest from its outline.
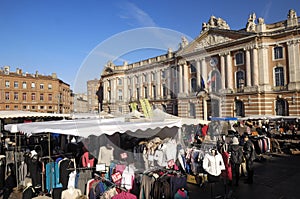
(277, 177)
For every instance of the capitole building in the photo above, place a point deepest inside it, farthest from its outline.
(222, 72)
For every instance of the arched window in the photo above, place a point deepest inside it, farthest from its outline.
(279, 76)
(239, 108)
(282, 107)
(193, 85)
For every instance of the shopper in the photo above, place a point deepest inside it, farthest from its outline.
(249, 154)
(236, 158)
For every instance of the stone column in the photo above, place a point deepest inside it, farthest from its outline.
(141, 86)
(105, 93)
(198, 73)
(168, 77)
(204, 71)
(125, 90)
(248, 67)
(158, 86)
(255, 78)
(222, 71)
(263, 65)
(292, 61)
(180, 76)
(229, 76)
(114, 91)
(186, 78)
(133, 88)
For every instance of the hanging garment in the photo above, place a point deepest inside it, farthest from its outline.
(52, 176)
(106, 155)
(213, 164)
(70, 193)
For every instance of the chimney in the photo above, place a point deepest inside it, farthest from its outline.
(36, 73)
(54, 76)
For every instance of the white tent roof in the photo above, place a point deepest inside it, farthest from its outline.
(99, 126)
(22, 114)
(86, 127)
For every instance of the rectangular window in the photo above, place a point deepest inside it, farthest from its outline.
(24, 85)
(24, 96)
(239, 58)
(120, 94)
(138, 93)
(50, 107)
(16, 96)
(24, 107)
(163, 74)
(153, 77)
(33, 107)
(119, 81)
(49, 97)
(6, 95)
(6, 106)
(164, 91)
(33, 96)
(16, 107)
(279, 76)
(192, 110)
(154, 92)
(146, 92)
(41, 86)
(42, 107)
(120, 109)
(49, 86)
(278, 52)
(7, 84)
(32, 85)
(16, 84)
(41, 97)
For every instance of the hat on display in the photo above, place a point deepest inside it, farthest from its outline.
(235, 141)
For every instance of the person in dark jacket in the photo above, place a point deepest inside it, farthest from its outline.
(236, 158)
(249, 154)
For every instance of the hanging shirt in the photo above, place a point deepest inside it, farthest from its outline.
(106, 155)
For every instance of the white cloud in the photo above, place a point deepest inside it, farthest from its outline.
(137, 14)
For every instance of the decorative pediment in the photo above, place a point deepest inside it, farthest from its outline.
(211, 40)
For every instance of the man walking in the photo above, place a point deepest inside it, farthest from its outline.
(249, 154)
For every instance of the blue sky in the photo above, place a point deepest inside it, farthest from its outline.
(75, 38)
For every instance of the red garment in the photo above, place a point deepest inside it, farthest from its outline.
(204, 130)
(124, 195)
(227, 173)
(87, 160)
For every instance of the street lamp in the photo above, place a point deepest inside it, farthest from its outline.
(14, 130)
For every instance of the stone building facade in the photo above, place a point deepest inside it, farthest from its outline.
(222, 72)
(34, 92)
(92, 99)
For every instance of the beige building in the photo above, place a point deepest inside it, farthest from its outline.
(80, 103)
(92, 98)
(222, 72)
(33, 92)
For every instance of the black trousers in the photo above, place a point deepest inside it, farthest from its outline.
(236, 173)
(250, 171)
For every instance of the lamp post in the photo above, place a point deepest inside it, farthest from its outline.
(14, 130)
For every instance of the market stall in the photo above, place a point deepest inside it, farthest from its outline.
(98, 135)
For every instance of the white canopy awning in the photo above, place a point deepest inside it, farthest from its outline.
(86, 127)
(24, 114)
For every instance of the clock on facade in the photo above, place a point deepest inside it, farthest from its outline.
(213, 61)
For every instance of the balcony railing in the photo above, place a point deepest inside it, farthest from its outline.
(279, 88)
